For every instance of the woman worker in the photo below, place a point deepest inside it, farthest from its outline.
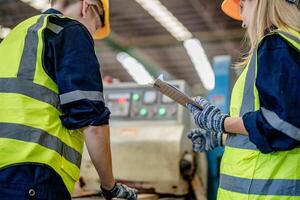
(262, 152)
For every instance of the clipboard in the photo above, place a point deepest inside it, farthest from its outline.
(172, 92)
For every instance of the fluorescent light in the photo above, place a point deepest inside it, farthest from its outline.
(201, 62)
(136, 70)
(156, 9)
(193, 46)
(40, 5)
(4, 31)
(222, 58)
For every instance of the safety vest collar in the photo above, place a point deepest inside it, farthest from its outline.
(24, 82)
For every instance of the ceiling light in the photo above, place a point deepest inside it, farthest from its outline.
(40, 5)
(4, 31)
(156, 9)
(201, 63)
(193, 46)
(136, 70)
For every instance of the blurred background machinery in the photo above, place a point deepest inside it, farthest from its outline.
(160, 39)
(184, 40)
(149, 145)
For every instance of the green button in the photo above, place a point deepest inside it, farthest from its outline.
(136, 97)
(143, 111)
(162, 111)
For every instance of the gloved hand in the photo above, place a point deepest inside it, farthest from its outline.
(209, 117)
(120, 191)
(204, 141)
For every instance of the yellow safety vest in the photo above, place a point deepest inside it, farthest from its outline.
(246, 173)
(30, 128)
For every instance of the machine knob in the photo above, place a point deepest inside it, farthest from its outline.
(187, 167)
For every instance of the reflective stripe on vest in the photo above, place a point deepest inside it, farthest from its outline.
(54, 28)
(282, 187)
(288, 35)
(241, 141)
(27, 88)
(38, 136)
(28, 60)
(273, 119)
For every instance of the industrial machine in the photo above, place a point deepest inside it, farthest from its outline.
(150, 149)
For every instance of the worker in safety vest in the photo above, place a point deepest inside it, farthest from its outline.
(51, 102)
(262, 151)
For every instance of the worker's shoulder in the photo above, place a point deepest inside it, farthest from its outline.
(70, 28)
(274, 42)
(65, 22)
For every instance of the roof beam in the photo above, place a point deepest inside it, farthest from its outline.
(219, 31)
(165, 40)
(120, 45)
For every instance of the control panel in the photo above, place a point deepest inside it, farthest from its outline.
(136, 102)
(148, 134)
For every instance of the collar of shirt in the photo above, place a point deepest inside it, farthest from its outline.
(52, 11)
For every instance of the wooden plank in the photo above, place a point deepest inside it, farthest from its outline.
(198, 189)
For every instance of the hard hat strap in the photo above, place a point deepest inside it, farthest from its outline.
(102, 15)
(98, 5)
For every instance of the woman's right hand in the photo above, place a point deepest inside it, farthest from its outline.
(209, 117)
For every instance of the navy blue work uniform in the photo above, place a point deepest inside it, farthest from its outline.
(278, 85)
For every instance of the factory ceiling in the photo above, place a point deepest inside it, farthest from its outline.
(137, 32)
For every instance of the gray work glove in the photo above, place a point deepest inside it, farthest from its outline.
(204, 141)
(209, 117)
(120, 191)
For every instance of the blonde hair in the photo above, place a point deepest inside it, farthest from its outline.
(269, 15)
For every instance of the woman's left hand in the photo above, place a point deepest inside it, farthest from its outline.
(204, 141)
(209, 117)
